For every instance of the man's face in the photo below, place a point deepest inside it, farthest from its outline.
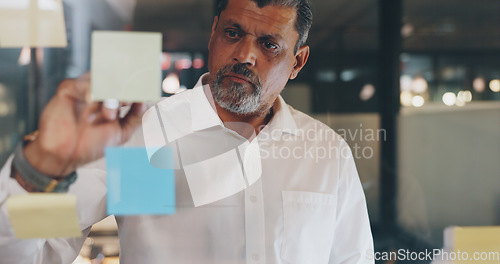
(251, 56)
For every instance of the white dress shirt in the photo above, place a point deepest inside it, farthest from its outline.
(290, 195)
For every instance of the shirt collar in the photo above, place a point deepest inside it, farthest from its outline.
(203, 114)
(282, 120)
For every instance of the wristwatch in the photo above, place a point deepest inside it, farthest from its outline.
(33, 180)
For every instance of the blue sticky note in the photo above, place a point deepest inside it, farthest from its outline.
(135, 187)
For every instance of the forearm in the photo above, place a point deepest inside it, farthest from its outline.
(13, 250)
(90, 192)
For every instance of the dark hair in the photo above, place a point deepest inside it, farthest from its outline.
(303, 21)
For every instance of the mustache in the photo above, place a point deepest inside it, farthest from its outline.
(241, 69)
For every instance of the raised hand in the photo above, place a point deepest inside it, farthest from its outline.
(74, 131)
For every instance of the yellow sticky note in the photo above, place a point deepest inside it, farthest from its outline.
(126, 66)
(32, 23)
(479, 244)
(44, 215)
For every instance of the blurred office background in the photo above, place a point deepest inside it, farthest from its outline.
(424, 75)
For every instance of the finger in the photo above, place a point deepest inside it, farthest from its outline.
(68, 89)
(76, 89)
(84, 86)
(67, 104)
(110, 108)
(92, 112)
(124, 109)
(132, 120)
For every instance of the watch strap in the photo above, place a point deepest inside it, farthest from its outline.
(27, 175)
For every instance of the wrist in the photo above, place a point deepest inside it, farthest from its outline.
(33, 180)
(45, 161)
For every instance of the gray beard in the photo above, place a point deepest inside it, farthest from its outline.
(234, 98)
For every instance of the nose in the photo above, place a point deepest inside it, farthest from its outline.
(246, 52)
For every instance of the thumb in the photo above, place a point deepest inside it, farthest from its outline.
(132, 120)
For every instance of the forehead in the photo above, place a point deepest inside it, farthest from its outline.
(269, 19)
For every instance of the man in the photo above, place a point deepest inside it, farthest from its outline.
(269, 198)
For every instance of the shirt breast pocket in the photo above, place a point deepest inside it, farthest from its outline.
(309, 220)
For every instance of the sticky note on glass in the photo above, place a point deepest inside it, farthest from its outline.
(477, 241)
(126, 66)
(32, 23)
(135, 187)
(44, 215)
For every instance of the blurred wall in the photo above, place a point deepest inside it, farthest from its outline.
(449, 168)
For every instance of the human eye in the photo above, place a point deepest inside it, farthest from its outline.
(268, 45)
(232, 34)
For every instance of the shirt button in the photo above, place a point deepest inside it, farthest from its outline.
(253, 198)
(255, 257)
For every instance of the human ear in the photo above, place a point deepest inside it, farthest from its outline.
(300, 60)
